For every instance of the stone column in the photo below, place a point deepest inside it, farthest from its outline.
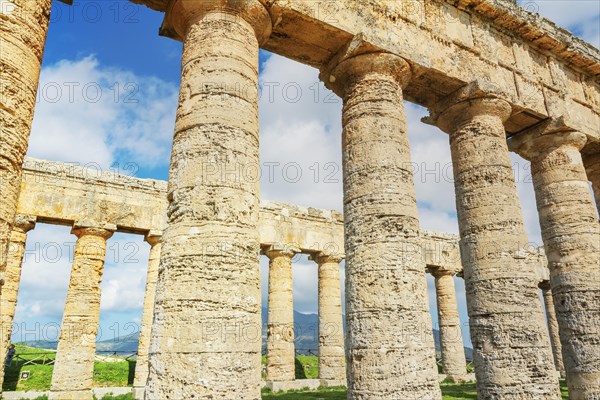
(154, 238)
(553, 328)
(206, 334)
(453, 351)
(22, 39)
(10, 290)
(513, 358)
(592, 167)
(332, 359)
(390, 346)
(281, 355)
(73, 373)
(571, 235)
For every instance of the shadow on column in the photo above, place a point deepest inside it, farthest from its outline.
(131, 372)
(300, 372)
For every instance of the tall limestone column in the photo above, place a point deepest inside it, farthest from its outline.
(206, 334)
(23, 29)
(332, 359)
(10, 290)
(553, 328)
(73, 373)
(154, 238)
(390, 346)
(281, 353)
(513, 357)
(453, 351)
(592, 168)
(571, 235)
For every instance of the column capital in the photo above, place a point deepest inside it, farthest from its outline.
(359, 59)
(277, 250)
(89, 228)
(182, 14)
(154, 237)
(439, 272)
(24, 223)
(545, 137)
(325, 258)
(476, 98)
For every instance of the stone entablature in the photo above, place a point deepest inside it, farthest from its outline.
(62, 193)
(542, 70)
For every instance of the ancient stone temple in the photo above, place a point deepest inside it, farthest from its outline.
(495, 78)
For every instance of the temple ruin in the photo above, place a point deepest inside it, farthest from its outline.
(495, 78)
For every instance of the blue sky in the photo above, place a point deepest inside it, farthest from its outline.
(108, 94)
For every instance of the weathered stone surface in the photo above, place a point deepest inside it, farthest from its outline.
(571, 235)
(53, 192)
(451, 340)
(513, 358)
(332, 359)
(206, 335)
(553, 328)
(73, 373)
(154, 238)
(62, 193)
(390, 348)
(591, 160)
(281, 353)
(8, 297)
(544, 69)
(309, 229)
(23, 29)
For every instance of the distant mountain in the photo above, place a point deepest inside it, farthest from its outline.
(125, 344)
(306, 331)
(41, 344)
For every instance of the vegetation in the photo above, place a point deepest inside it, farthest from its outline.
(35, 361)
(38, 362)
(113, 373)
(307, 367)
(321, 394)
(450, 391)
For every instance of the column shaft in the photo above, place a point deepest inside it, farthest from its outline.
(553, 331)
(281, 354)
(22, 38)
(332, 361)
(571, 235)
(73, 373)
(513, 358)
(206, 334)
(10, 290)
(386, 295)
(453, 352)
(141, 366)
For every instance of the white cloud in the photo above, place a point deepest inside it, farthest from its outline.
(300, 136)
(46, 273)
(90, 113)
(124, 280)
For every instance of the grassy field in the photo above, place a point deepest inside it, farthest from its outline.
(113, 374)
(450, 391)
(120, 374)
